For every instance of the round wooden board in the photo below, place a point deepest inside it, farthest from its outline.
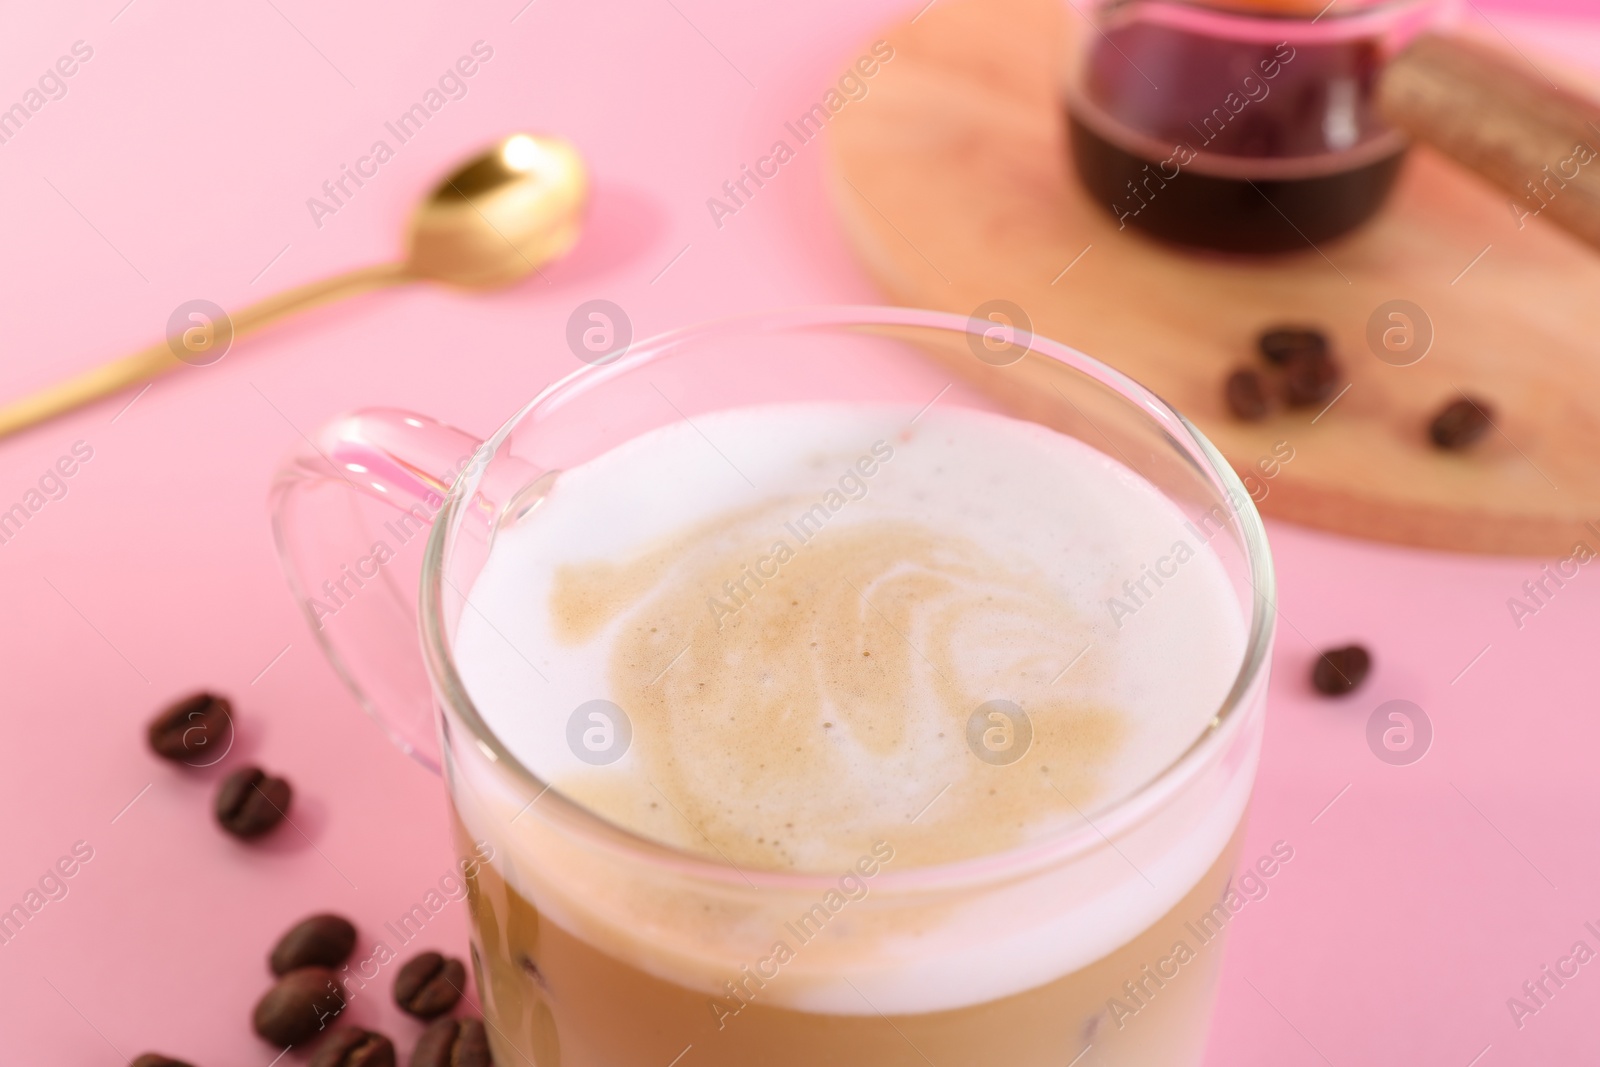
(951, 180)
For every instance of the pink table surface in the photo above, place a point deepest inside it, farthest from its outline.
(178, 165)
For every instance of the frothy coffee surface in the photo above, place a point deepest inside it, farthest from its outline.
(827, 626)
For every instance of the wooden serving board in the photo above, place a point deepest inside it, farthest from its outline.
(952, 181)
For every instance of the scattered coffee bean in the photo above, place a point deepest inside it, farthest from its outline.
(321, 940)
(193, 729)
(354, 1047)
(429, 984)
(1281, 343)
(1246, 398)
(453, 1043)
(1310, 377)
(1460, 424)
(155, 1059)
(1340, 670)
(301, 1005)
(250, 803)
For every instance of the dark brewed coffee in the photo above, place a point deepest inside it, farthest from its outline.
(1237, 145)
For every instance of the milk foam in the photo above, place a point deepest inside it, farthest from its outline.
(800, 608)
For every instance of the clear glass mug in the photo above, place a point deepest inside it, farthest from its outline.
(1236, 125)
(590, 943)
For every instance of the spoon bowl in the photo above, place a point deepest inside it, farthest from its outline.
(501, 215)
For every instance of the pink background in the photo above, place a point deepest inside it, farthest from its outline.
(178, 165)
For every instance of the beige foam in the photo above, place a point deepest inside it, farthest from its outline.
(775, 715)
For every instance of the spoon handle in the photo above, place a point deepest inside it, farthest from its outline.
(158, 359)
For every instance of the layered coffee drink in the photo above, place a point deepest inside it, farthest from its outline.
(859, 722)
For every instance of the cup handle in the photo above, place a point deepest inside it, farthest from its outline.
(351, 511)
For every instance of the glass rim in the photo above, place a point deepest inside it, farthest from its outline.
(1345, 15)
(1391, 23)
(1058, 846)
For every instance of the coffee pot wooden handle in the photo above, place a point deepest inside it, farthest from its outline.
(1494, 113)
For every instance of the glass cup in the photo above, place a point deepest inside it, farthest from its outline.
(592, 945)
(1236, 125)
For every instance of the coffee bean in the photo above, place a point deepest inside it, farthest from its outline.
(302, 1004)
(1246, 398)
(194, 729)
(1460, 423)
(1309, 378)
(321, 940)
(429, 984)
(249, 803)
(1340, 670)
(1281, 343)
(353, 1047)
(155, 1059)
(453, 1043)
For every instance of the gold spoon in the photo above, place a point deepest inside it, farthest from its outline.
(495, 220)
